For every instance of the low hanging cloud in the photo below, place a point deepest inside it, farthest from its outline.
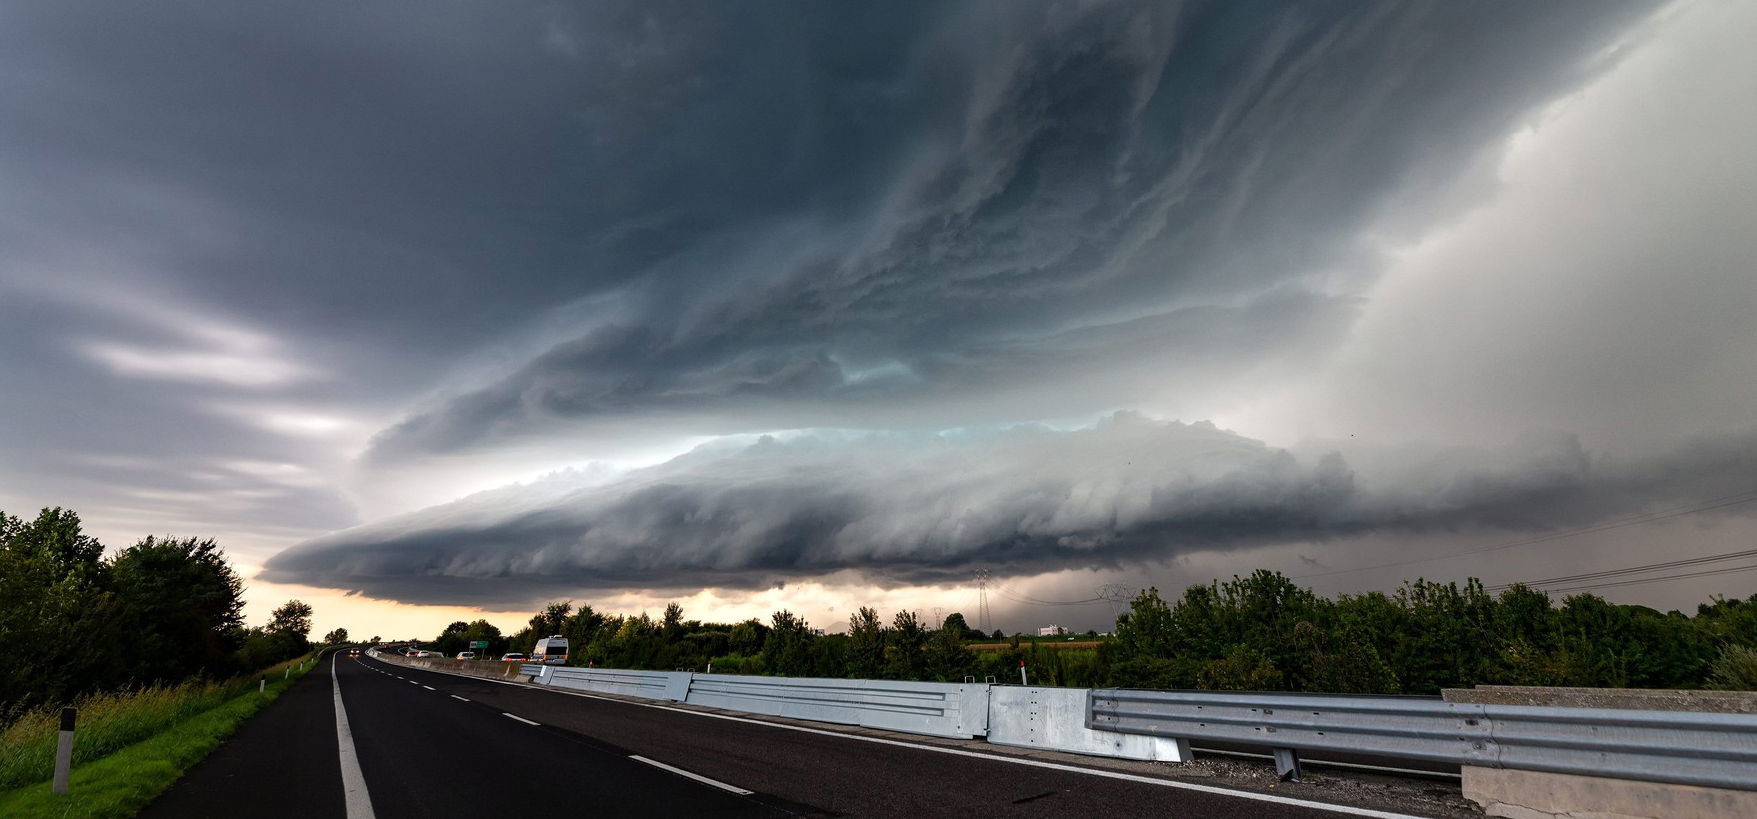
(902, 510)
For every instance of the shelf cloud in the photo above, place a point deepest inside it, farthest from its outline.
(904, 510)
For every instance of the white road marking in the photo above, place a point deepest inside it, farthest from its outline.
(354, 794)
(429, 688)
(456, 697)
(696, 776)
(519, 718)
(1034, 763)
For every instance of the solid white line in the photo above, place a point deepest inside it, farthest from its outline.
(456, 697)
(429, 688)
(354, 794)
(519, 718)
(696, 776)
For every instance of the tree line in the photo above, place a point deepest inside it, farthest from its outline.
(164, 610)
(1261, 632)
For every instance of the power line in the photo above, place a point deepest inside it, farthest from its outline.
(1729, 570)
(1022, 598)
(1672, 564)
(1652, 517)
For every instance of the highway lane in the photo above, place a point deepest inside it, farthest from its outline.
(824, 773)
(436, 745)
(426, 753)
(279, 765)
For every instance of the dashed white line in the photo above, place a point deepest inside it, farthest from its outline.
(517, 717)
(429, 688)
(1033, 763)
(696, 776)
(456, 697)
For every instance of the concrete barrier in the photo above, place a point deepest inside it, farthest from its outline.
(1054, 719)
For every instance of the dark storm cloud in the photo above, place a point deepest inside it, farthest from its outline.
(927, 509)
(1121, 177)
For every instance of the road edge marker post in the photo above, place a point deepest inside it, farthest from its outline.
(64, 749)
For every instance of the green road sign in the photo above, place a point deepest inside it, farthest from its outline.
(479, 644)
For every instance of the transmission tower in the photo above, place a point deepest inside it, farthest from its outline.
(1117, 594)
(982, 599)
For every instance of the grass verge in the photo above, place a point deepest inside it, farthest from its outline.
(118, 778)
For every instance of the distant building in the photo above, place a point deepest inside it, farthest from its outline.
(1051, 630)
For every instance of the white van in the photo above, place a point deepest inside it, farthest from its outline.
(550, 651)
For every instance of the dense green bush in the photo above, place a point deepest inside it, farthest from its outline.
(1260, 632)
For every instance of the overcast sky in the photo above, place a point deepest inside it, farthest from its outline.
(815, 306)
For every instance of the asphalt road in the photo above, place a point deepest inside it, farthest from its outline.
(437, 745)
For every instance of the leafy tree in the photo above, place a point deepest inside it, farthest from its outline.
(671, 624)
(1150, 650)
(866, 645)
(53, 585)
(786, 651)
(947, 659)
(335, 637)
(287, 629)
(748, 637)
(484, 631)
(955, 622)
(549, 621)
(191, 601)
(904, 658)
(293, 618)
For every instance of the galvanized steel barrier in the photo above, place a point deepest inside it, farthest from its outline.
(1716, 750)
(937, 709)
(656, 685)
(1686, 748)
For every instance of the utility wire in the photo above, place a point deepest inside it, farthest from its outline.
(1664, 514)
(1021, 598)
(1672, 564)
(1729, 570)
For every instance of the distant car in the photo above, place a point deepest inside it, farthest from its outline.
(514, 657)
(466, 655)
(353, 652)
(426, 653)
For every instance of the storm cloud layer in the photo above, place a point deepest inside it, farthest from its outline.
(1091, 196)
(311, 279)
(906, 510)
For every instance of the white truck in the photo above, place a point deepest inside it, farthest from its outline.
(550, 650)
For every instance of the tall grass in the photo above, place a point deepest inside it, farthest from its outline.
(109, 722)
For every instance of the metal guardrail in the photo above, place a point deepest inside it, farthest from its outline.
(1686, 748)
(936, 709)
(656, 685)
